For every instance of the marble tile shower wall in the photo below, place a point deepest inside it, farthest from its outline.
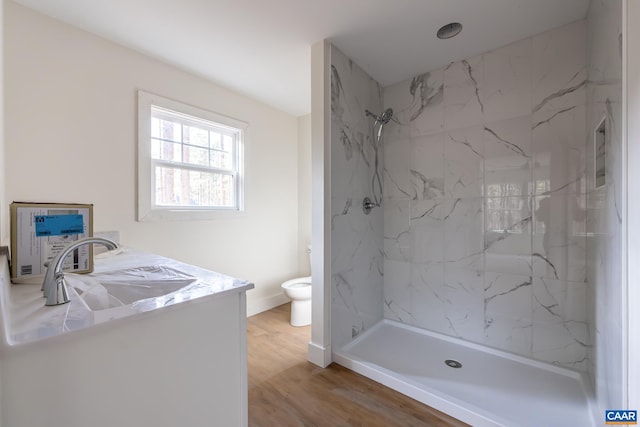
(484, 199)
(356, 172)
(604, 214)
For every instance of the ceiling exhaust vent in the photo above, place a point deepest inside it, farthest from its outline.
(449, 30)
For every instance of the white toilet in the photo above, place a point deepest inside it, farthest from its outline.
(299, 291)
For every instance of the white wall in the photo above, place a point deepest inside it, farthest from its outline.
(320, 344)
(605, 210)
(304, 192)
(631, 86)
(71, 137)
(3, 227)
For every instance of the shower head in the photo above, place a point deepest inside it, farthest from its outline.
(383, 118)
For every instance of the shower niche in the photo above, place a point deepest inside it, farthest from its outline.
(600, 156)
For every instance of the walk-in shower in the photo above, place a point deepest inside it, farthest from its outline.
(467, 285)
(481, 385)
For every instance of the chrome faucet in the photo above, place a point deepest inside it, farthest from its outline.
(54, 286)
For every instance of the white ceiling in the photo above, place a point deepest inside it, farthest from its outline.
(261, 48)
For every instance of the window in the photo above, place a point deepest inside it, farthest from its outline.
(190, 161)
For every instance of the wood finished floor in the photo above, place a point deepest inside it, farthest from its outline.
(286, 390)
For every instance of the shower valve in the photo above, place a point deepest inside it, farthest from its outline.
(367, 205)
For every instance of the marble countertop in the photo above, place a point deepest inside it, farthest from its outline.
(26, 319)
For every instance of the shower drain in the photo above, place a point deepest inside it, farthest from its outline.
(453, 363)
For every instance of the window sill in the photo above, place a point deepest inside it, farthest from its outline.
(189, 215)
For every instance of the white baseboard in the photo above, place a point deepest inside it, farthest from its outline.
(320, 356)
(263, 304)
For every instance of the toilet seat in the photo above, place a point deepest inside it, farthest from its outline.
(300, 282)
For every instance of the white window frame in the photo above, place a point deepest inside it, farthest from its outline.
(147, 211)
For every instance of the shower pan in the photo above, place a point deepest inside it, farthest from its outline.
(481, 386)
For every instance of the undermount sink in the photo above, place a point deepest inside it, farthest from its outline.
(121, 288)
